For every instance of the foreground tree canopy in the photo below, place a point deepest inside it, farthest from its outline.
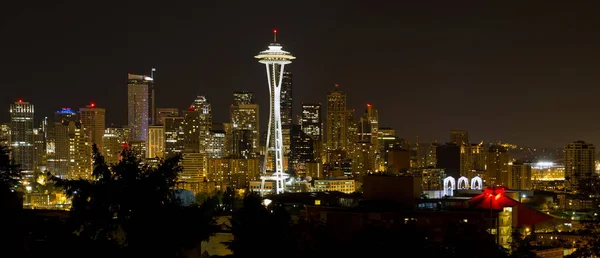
(131, 208)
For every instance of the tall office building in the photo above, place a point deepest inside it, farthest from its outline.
(335, 122)
(39, 145)
(286, 111)
(496, 173)
(275, 59)
(72, 152)
(156, 142)
(246, 117)
(303, 151)
(311, 120)
(459, 137)
(174, 135)
(369, 127)
(216, 144)
(161, 113)
(473, 160)
(243, 98)
(198, 124)
(111, 147)
(22, 139)
(519, 176)
(579, 163)
(94, 121)
(312, 125)
(138, 106)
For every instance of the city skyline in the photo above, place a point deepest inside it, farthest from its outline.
(515, 85)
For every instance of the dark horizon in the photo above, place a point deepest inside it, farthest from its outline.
(523, 73)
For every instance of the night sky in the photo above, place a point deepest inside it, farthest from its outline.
(525, 73)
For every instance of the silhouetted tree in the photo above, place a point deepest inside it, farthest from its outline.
(9, 171)
(131, 209)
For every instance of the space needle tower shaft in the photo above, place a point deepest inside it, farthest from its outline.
(274, 58)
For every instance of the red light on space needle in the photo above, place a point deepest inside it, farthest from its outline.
(274, 30)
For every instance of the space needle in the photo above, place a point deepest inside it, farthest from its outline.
(275, 59)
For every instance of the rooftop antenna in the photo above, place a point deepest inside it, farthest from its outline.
(274, 35)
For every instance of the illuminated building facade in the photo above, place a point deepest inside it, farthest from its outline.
(243, 98)
(216, 144)
(39, 145)
(347, 186)
(161, 113)
(21, 139)
(286, 111)
(194, 171)
(275, 59)
(233, 173)
(245, 117)
(302, 151)
(112, 146)
(519, 176)
(472, 159)
(156, 142)
(335, 122)
(174, 136)
(579, 163)
(66, 121)
(497, 170)
(197, 126)
(138, 105)
(94, 121)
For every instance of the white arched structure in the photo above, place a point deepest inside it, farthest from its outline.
(449, 186)
(463, 183)
(476, 183)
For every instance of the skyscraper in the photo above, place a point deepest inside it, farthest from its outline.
(286, 111)
(156, 142)
(161, 113)
(198, 124)
(335, 124)
(579, 163)
(246, 117)
(311, 120)
(138, 105)
(275, 60)
(174, 135)
(22, 139)
(243, 98)
(94, 121)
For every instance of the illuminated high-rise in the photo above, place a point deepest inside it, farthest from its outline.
(156, 142)
(335, 124)
(286, 111)
(138, 106)
(197, 125)
(243, 98)
(161, 113)
(174, 135)
(579, 163)
(94, 121)
(275, 59)
(246, 117)
(22, 139)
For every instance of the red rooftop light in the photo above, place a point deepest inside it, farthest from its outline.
(92, 104)
(20, 100)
